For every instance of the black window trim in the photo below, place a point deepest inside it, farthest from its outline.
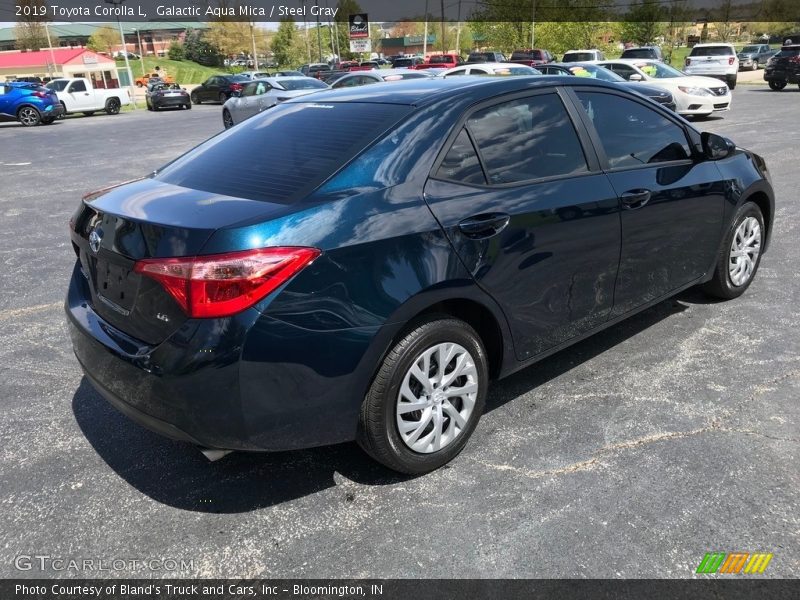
(598, 144)
(592, 159)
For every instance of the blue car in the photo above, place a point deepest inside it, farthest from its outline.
(360, 263)
(29, 103)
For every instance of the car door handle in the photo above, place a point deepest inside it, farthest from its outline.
(635, 198)
(484, 225)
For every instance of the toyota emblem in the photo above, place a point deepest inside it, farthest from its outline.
(94, 239)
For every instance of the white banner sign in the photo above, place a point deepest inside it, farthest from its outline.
(361, 45)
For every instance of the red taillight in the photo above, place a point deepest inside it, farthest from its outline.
(220, 285)
(794, 59)
(731, 59)
(236, 87)
(40, 94)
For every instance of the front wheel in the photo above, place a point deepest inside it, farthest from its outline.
(777, 86)
(227, 119)
(426, 398)
(28, 116)
(739, 255)
(195, 98)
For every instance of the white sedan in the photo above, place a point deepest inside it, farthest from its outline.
(694, 95)
(490, 68)
(261, 94)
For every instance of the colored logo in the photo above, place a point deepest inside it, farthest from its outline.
(734, 562)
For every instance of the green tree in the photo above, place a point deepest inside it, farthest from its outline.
(644, 22)
(200, 50)
(176, 51)
(104, 39)
(287, 44)
(29, 31)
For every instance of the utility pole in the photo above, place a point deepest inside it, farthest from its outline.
(253, 38)
(141, 53)
(533, 24)
(305, 29)
(118, 3)
(425, 36)
(52, 54)
(319, 33)
(443, 47)
(458, 30)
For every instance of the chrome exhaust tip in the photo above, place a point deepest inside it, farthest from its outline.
(214, 455)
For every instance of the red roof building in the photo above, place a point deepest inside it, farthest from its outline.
(60, 62)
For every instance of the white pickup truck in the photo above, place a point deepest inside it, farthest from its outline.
(78, 96)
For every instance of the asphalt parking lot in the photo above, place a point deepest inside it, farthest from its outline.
(630, 454)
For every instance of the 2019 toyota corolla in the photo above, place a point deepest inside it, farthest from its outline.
(358, 264)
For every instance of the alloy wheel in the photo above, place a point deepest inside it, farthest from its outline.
(437, 397)
(745, 247)
(227, 119)
(28, 116)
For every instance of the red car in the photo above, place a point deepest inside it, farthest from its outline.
(440, 61)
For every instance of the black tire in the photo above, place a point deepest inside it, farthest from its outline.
(378, 432)
(731, 80)
(187, 106)
(223, 97)
(29, 116)
(149, 106)
(755, 66)
(195, 98)
(721, 285)
(89, 113)
(227, 119)
(63, 111)
(777, 86)
(113, 106)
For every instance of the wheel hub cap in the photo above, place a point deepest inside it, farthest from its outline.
(745, 247)
(437, 397)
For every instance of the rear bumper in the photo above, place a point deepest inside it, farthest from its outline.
(249, 382)
(771, 74)
(171, 101)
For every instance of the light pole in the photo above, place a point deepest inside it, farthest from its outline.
(50, 46)
(118, 3)
(141, 54)
(253, 39)
(425, 35)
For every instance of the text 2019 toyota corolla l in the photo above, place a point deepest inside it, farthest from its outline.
(358, 264)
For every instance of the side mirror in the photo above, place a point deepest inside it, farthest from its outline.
(716, 147)
(635, 77)
(236, 93)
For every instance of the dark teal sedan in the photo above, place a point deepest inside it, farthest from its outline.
(359, 264)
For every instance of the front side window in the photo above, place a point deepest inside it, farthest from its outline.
(526, 139)
(77, 86)
(633, 134)
(624, 71)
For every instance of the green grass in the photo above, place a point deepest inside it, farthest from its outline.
(183, 71)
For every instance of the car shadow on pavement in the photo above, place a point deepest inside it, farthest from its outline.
(176, 474)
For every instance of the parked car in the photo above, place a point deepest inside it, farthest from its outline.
(406, 62)
(160, 95)
(783, 68)
(713, 60)
(262, 94)
(77, 95)
(255, 74)
(146, 79)
(28, 103)
(277, 289)
(491, 69)
(694, 96)
(754, 56)
(29, 79)
(438, 61)
(650, 52)
(594, 71)
(286, 74)
(218, 88)
(380, 76)
(315, 69)
(582, 55)
(531, 57)
(482, 57)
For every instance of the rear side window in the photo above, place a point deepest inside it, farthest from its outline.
(77, 86)
(280, 156)
(526, 139)
(712, 51)
(788, 52)
(461, 162)
(632, 134)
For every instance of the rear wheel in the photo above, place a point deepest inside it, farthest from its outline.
(426, 398)
(29, 116)
(731, 81)
(755, 66)
(223, 97)
(112, 106)
(187, 106)
(777, 86)
(739, 255)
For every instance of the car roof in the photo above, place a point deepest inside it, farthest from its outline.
(583, 50)
(421, 92)
(707, 44)
(628, 61)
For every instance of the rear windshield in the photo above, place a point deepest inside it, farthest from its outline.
(751, 48)
(440, 59)
(712, 51)
(638, 53)
(578, 56)
(280, 156)
(306, 83)
(402, 62)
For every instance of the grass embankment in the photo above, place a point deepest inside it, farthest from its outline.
(183, 71)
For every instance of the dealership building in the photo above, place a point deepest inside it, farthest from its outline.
(60, 62)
